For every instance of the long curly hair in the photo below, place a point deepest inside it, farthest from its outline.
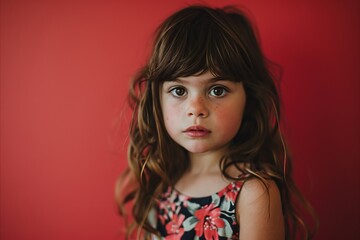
(222, 41)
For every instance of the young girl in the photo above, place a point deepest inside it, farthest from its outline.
(206, 158)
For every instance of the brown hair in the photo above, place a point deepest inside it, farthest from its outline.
(191, 41)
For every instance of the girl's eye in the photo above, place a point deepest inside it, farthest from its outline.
(178, 91)
(218, 91)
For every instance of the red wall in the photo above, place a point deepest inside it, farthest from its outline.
(65, 67)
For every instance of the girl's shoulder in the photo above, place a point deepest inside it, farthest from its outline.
(255, 189)
(259, 206)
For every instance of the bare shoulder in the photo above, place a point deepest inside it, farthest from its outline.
(255, 189)
(259, 210)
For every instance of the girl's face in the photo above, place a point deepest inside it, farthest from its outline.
(202, 113)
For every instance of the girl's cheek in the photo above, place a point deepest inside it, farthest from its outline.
(230, 116)
(170, 113)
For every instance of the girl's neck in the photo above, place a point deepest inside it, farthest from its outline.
(204, 176)
(204, 163)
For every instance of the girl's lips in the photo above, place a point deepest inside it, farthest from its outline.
(197, 131)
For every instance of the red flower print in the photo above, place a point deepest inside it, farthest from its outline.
(209, 222)
(173, 228)
(231, 191)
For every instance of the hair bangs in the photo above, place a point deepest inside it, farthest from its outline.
(224, 56)
(191, 44)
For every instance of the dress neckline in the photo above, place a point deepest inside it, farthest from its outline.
(228, 187)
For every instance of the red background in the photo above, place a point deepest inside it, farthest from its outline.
(65, 68)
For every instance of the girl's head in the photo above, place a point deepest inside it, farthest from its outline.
(219, 44)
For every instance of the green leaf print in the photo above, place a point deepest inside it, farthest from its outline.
(192, 207)
(225, 205)
(215, 200)
(190, 223)
(226, 231)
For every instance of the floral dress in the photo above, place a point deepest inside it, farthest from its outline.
(180, 217)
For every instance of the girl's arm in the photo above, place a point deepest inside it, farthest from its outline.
(259, 211)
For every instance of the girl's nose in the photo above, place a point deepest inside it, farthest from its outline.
(197, 108)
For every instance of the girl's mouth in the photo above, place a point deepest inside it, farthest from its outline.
(197, 131)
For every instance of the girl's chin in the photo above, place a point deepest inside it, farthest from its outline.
(197, 150)
(201, 150)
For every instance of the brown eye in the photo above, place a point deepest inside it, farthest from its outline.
(178, 91)
(218, 91)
